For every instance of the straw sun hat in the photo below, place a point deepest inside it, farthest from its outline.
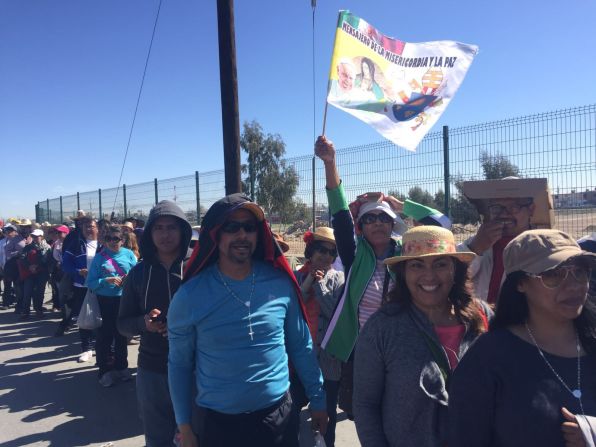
(429, 241)
(324, 234)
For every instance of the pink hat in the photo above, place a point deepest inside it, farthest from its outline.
(62, 229)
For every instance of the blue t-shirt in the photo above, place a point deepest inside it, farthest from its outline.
(208, 330)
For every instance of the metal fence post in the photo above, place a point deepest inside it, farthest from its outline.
(156, 197)
(314, 196)
(446, 174)
(124, 197)
(198, 197)
(100, 210)
(61, 211)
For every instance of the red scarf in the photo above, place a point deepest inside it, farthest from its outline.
(312, 306)
(498, 269)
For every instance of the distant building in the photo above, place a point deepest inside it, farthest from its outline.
(575, 199)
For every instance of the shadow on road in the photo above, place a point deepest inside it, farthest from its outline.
(61, 401)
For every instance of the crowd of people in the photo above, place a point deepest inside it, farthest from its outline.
(419, 340)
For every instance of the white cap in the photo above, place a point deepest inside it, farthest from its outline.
(399, 226)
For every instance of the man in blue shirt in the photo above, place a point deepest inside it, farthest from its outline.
(234, 326)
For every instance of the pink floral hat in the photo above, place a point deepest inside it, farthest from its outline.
(425, 241)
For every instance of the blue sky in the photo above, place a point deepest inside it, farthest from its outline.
(70, 72)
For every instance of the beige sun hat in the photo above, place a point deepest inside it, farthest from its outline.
(428, 241)
(324, 234)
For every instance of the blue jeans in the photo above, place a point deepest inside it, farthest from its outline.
(155, 408)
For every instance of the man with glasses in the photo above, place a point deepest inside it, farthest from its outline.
(502, 220)
(233, 326)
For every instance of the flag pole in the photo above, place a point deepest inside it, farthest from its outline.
(325, 117)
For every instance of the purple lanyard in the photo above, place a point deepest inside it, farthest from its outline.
(114, 263)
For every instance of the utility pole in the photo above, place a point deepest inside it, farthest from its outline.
(229, 94)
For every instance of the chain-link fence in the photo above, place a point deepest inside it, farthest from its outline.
(559, 146)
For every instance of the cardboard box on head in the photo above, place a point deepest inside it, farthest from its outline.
(481, 191)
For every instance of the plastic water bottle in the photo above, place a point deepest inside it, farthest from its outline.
(319, 440)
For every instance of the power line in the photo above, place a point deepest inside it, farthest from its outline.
(137, 105)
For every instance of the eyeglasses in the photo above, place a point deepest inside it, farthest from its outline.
(233, 226)
(113, 239)
(495, 210)
(553, 279)
(371, 218)
(327, 251)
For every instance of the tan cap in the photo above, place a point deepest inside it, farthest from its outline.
(536, 251)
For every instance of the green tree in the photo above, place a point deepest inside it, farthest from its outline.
(439, 201)
(398, 195)
(497, 166)
(422, 196)
(461, 209)
(269, 181)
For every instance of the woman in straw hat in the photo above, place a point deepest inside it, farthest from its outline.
(321, 287)
(408, 349)
(532, 379)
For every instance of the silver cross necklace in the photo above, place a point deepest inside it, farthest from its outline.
(244, 303)
(577, 393)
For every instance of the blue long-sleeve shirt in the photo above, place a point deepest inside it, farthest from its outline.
(209, 333)
(101, 269)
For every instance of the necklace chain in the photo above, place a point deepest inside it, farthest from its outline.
(577, 393)
(244, 303)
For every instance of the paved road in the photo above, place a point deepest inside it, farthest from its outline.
(48, 399)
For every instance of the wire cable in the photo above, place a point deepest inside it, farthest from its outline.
(134, 117)
(314, 102)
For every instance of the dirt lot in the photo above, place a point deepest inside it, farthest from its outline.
(576, 222)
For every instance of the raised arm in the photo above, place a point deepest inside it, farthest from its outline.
(325, 150)
(342, 223)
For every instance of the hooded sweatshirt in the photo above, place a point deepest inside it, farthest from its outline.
(243, 376)
(150, 285)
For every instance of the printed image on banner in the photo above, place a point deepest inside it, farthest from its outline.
(399, 88)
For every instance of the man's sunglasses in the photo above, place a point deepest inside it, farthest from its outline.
(327, 251)
(233, 226)
(371, 218)
(113, 239)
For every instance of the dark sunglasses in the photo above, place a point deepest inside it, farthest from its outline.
(233, 226)
(371, 218)
(113, 239)
(327, 251)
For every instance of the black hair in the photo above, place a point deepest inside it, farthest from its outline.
(460, 295)
(114, 229)
(512, 309)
